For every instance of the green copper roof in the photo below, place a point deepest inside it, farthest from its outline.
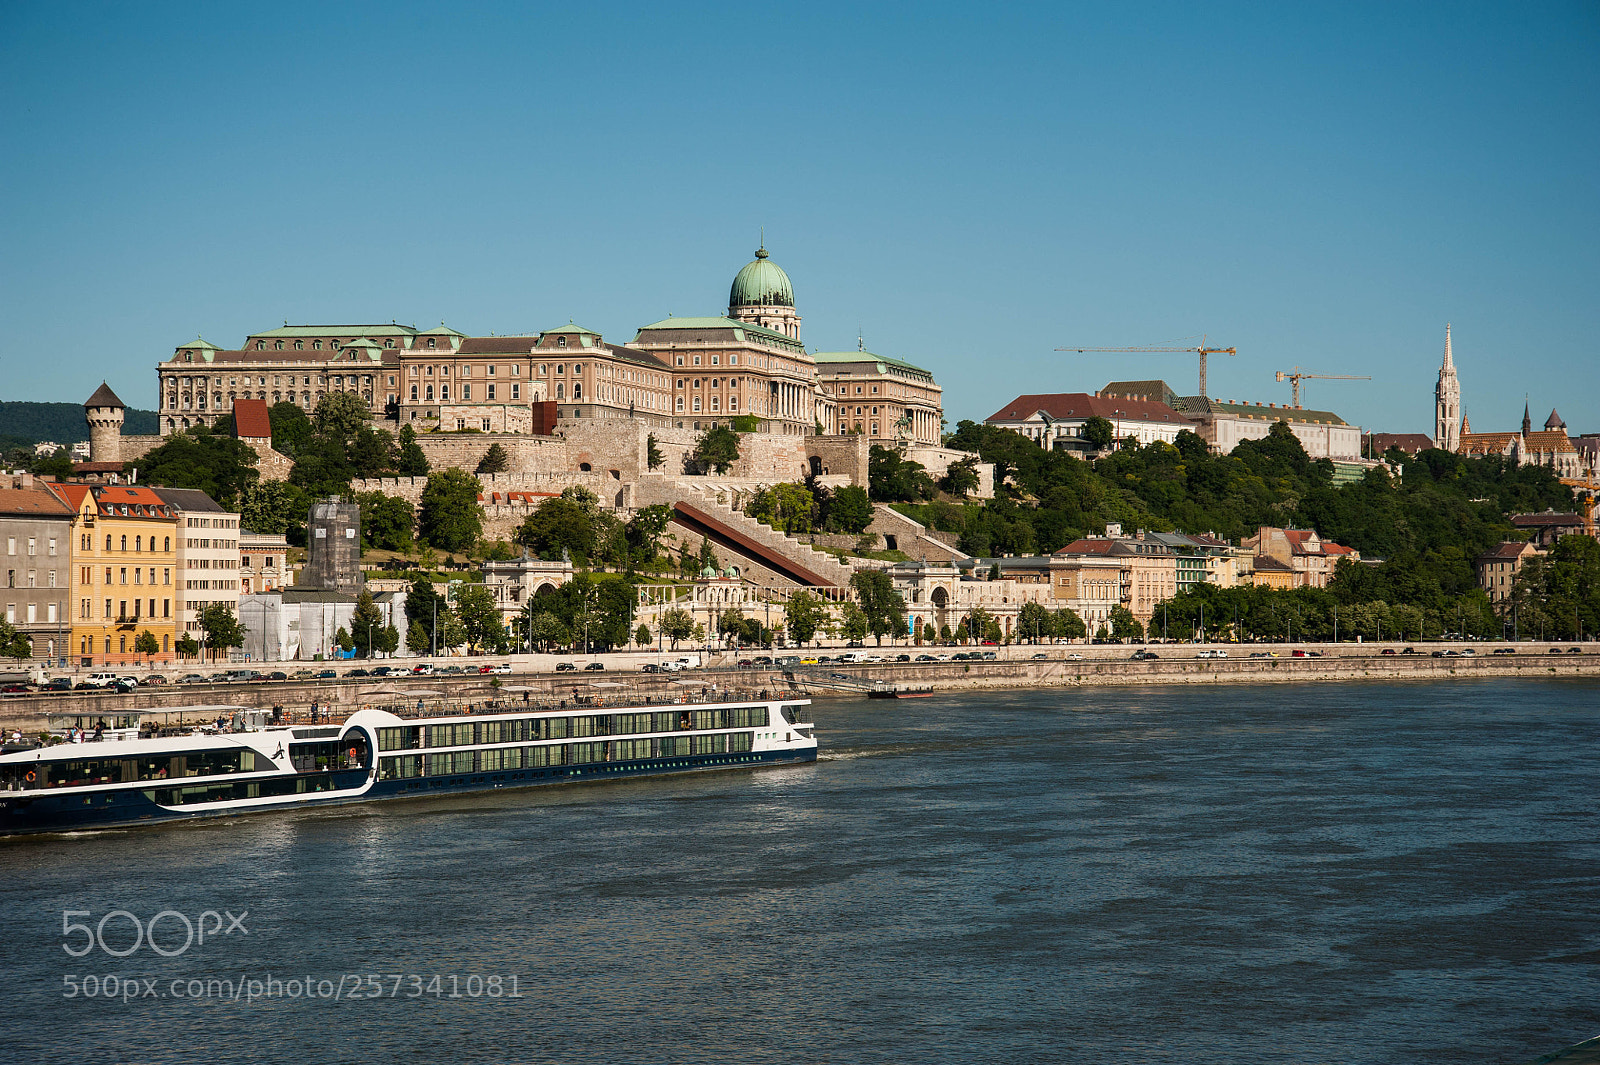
(441, 330)
(1277, 414)
(762, 283)
(198, 344)
(757, 332)
(568, 328)
(290, 331)
(826, 357)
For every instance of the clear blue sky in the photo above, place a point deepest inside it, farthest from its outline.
(971, 186)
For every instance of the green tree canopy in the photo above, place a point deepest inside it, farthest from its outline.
(676, 624)
(716, 450)
(495, 460)
(558, 524)
(222, 629)
(804, 614)
(220, 466)
(386, 521)
(849, 510)
(451, 519)
(366, 625)
(884, 607)
(480, 617)
(892, 479)
(410, 462)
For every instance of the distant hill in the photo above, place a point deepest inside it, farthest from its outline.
(29, 423)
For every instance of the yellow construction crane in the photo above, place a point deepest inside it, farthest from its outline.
(1202, 351)
(1295, 377)
(1586, 491)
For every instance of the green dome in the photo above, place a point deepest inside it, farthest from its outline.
(762, 283)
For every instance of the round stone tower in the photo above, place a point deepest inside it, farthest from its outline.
(104, 413)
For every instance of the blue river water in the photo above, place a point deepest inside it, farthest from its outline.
(1373, 872)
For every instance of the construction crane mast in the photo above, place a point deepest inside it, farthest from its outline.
(1202, 351)
(1294, 380)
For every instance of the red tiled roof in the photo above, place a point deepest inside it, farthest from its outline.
(250, 419)
(1087, 546)
(33, 502)
(1062, 406)
(1510, 549)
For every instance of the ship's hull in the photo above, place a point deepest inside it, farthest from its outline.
(43, 812)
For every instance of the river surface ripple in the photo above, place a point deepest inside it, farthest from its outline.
(1279, 873)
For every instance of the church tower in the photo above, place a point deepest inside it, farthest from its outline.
(761, 295)
(1447, 402)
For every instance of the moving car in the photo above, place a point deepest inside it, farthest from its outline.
(1505, 650)
(59, 684)
(1074, 656)
(422, 669)
(1142, 655)
(649, 667)
(1041, 656)
(565, 667)
(594, 667)
(154, 680)
(192, 678)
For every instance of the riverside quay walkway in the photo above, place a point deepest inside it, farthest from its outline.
(621, 682)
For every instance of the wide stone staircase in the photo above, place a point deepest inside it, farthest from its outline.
(798, 553)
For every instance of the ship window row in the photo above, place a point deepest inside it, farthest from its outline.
(399, 767)
(527, 729)
(251, 789)
(84, 772)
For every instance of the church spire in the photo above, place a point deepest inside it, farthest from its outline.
(1527, 422)
(1447, 402)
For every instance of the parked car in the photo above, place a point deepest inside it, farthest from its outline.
(1505, 650)
(192, 678)
(501, 668)
(763, 660)
(746, 663)
(1142, 655)
(124, 685)
(1574, 650)
(1555, 650)
(422, 669)
(84, 685)
(1040, 656)
(154, 680)
(565, 667)
(276, 674)
(650, 667)
(990, 656)
(15, 689)
(902, 658)
(1444, 654)
(57, 684)
(327, 674)
(1385, 651)
(388, 671)
(1467, 652)
(1408, 650)
(594, 667)
(358, 673)
(926, 658)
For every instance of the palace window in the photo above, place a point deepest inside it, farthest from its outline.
(516, 391)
